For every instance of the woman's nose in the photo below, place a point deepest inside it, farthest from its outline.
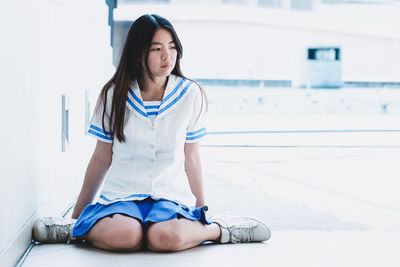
(165, 54)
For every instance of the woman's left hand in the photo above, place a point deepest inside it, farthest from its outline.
(199, 204)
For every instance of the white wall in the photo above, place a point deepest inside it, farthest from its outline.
(48, 48)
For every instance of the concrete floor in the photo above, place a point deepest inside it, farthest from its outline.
(286, 248)
(330, 199)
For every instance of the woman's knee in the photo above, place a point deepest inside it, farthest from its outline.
(165, 236)
(124, 238)
(122, 235)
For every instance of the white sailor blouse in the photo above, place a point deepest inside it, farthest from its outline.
(151, 160)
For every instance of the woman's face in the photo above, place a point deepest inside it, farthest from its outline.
(162, 54)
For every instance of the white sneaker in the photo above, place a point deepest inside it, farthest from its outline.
(53, 230)
(241, 229)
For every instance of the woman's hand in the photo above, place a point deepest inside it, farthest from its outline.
(200, 203)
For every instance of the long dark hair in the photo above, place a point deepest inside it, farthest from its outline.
(130, 68)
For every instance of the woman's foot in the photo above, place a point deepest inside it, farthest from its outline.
(241, 229)
(53, 230)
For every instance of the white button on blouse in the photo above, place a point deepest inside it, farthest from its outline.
(151, 160)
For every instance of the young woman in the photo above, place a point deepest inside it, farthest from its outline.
(148, 121)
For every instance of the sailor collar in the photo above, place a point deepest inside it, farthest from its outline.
(175, 90)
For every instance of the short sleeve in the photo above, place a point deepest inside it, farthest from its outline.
(196, 129)
(96, 123)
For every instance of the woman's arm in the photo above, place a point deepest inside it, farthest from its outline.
(193, 171)
(95, 173)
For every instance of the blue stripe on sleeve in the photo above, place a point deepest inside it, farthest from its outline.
(196, 132)
(99, 130)
(196, 137)
(100, 135)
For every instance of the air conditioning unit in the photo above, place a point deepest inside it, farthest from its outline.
(322, 68)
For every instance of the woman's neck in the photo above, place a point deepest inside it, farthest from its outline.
(153, 89)
(157, 84)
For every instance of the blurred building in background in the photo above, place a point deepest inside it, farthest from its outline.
(255, 42)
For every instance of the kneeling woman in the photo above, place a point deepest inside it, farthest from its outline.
(148, 120)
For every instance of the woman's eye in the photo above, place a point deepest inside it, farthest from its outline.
(172, 47)
(155, 49)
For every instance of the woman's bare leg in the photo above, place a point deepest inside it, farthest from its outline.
(180, 234)
(116, 233)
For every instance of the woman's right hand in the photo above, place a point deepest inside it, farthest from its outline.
(94, 176)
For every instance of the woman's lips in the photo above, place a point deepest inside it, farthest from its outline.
(166, 66)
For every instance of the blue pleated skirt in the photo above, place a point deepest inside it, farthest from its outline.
(146, 211)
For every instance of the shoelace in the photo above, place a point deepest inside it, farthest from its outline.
(242, 233)
(57, 231)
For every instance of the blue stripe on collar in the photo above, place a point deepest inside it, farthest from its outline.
(176, 99)
(135, 97)
(151, 107)
(174, 91)
(142, 108)
(136, 108)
